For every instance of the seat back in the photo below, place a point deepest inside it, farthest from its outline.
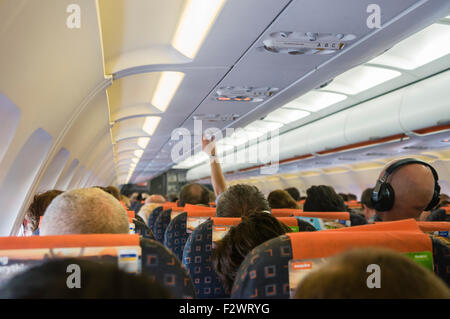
(274, 269)
(19, 253)
(161, 224)
(197, 260)
(153, 216)
(285, 212)
(180, 227)
(130, 252)
(197, 255)
(162, 265)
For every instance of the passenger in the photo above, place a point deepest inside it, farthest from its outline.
(113, 190)
(212, 197)
(437, 215)
(137, 203)
(294, 193)
(124, 199)
(412, 191)
(346, 276)
(150, 204)
(217, 178)
(231, 250)
(370, 212)
(305, 226)
(194, 194)
(323, 198)
(37, 210)
(97, 280)
(155, 198)
(281, 199)
(344, 197)
(240, 200)
(84, 211)
(172, 197)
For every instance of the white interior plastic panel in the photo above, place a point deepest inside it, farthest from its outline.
(9, 120)
(374, 119)
(77, 178)
(426, 103)
(54, 171)
(327, 133)
(21, 176)
(294, 143)
(63, 182)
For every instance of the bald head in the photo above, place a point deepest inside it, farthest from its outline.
(195, 194)
(159, 199)
(85, 211)
(413, 186)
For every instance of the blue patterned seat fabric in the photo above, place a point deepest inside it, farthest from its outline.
(161, 223)
(197, 260)
(176, 235)
(153, 216)
(264, 273)
(161, 265)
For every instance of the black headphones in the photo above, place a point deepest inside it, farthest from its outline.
(383, 194)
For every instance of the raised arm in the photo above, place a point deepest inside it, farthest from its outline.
(217, 178)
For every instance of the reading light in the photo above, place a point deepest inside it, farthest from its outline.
(361, 78)
(419, 49)
(196, 21)
(166, 88)
(315, 101)
(150, 124)
(138, 153)
(143, 142)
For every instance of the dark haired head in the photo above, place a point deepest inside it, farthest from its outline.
(344, 196)
(38, 206)
(254, 230)
(194, 194)
(294, 193)
(240, 200)
(366, 198)
(323, 198)
(49, 281)
(172, 197)
(305, 226)
(351, 196)
(281, 199)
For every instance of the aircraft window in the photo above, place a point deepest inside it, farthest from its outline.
(21, 176)
(8, 123)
